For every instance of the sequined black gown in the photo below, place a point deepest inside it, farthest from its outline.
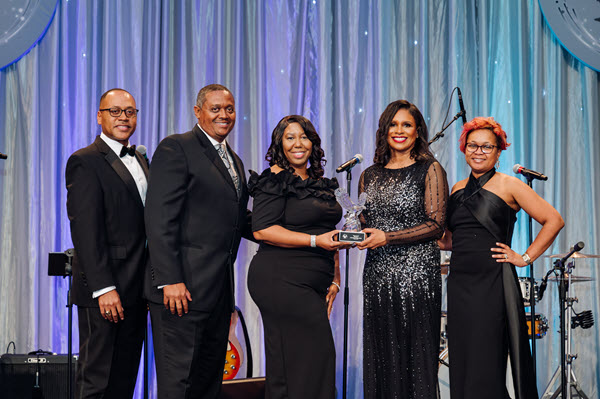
(402, 280)
(486, 318)
(289, 285)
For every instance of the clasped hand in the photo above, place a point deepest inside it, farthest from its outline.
(375, 239)
(327, 242)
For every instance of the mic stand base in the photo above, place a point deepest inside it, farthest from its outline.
(564, 373)
(574, 385)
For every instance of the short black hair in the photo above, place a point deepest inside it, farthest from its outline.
(201, 97)
(111, 90)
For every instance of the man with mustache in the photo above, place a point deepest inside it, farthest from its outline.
(195, 217)
(106, 189)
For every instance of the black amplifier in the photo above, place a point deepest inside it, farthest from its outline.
(35, 376)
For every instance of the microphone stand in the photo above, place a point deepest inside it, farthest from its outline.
(69, 274)
(60, 264)
(440, 134)
(346, 301)
(532, 290)
(562, 294)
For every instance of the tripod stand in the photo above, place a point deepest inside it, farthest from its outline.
(60, 264)
(567, 377)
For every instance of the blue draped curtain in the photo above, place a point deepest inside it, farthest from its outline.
(337, 62)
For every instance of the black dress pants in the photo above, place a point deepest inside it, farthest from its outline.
(109, 353)
(190, 350)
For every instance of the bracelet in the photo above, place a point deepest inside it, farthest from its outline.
(526, 258)
(313, 241)
(337, 285)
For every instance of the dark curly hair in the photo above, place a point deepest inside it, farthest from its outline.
(419, 152)
(276, 156)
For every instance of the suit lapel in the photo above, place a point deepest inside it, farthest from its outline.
(239, 166)
(115, 162)
(143, 163)
(212, 154)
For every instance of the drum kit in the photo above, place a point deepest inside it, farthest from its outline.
(539, 322)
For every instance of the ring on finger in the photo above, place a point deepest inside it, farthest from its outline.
(505, 256)
(107, 312)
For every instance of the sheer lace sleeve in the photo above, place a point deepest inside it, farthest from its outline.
(435, 200)
(361, 189)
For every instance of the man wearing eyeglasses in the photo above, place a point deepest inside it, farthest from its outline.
(106, 192)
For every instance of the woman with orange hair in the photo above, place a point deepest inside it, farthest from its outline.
(486, 317)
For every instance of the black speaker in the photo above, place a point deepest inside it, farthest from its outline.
(243, 388)
(35, 376)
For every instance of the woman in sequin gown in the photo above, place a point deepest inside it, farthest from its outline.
(404, 216)
(294, 277)
(486, 318)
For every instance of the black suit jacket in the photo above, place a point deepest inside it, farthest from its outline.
(194, 219)
(107, 225)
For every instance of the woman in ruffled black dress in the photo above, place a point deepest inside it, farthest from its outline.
(405, 214)
(486, 317)
(294, 277)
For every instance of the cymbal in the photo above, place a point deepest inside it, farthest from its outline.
(574, 279)
(575, 255)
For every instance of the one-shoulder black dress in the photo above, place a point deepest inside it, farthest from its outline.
(486, 316)
(289, 285)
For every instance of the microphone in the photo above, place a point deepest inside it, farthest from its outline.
(528, 173)
(543, 285)
(576, 248)
(350, 163)
(143, 150)
(463, 113)
(3, 156)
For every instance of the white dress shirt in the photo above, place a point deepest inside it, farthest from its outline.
(134, 167)
(216, 143)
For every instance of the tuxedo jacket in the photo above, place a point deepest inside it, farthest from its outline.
(106, 214)
(194, 219)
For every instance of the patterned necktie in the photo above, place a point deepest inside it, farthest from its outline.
(222, 150)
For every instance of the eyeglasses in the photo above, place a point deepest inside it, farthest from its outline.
(486, 148)
(115, 112)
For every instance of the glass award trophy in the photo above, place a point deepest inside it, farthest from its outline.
(351, 231)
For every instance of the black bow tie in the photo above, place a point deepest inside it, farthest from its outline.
(127, 150)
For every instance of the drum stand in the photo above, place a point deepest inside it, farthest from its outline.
(566, 304)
